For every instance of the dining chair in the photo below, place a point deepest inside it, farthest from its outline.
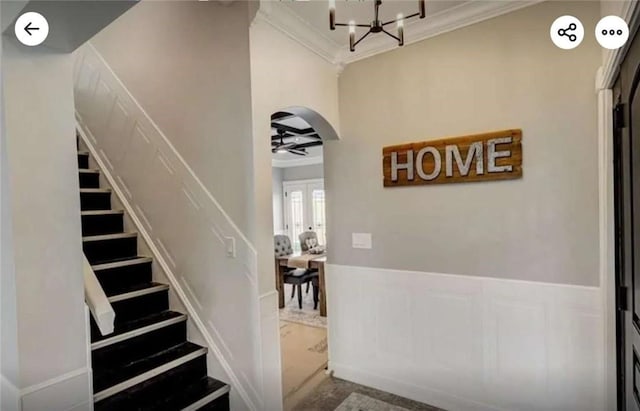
(293, 276)
(308, 239)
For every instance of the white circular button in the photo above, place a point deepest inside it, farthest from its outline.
(31, 28)
(612, 32)
(567, 32)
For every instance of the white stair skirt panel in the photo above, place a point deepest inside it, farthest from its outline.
(182, 223)
(62, 393)
(467, 343)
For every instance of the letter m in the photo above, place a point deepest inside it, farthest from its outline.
(453, 152)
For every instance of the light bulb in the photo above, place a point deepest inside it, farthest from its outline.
(400, 23)
(352, 36)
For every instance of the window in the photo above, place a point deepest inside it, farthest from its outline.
(304, 210)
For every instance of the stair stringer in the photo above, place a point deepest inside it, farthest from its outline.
(176, 288)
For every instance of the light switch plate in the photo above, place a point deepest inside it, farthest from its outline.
(361, 240)
(230, 244)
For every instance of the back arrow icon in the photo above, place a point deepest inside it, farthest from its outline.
(28, 28)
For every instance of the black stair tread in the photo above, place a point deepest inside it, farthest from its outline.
(114, 260)
(118, 260)
(139, 323)
(100, 212)
(120, 371)
(133, 288)
(189, 395)
(135, 400)
(95, 190)
(110, 237)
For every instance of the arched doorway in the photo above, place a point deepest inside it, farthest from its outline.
(297, 137)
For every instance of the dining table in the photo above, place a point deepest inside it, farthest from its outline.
(282, 263)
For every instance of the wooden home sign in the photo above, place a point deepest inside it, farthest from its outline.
(479, 157)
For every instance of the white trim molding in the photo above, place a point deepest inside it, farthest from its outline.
(607, 74)
(607, 240)
(9, 395)
(281, 17)
(467, 343)
(70, 391)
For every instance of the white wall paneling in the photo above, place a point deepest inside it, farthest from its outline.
(179, 219)
(467, 343)
(63, 393)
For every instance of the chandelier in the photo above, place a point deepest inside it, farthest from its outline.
(376, 26)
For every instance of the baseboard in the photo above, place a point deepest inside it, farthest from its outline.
(176, 286)
(9, 395)
(70, 391)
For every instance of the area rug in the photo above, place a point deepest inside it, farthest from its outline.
(304, 353)
(359, 402)
(307, 315)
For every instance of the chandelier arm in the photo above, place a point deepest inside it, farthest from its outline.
(396, 20)
(361, 38)
(347, 25)
(391, 35)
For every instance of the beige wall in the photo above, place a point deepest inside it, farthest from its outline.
(281, 70)
(41, 150)
(502, 73)
(165, 53)
(9, 367)
(309, 172)
(278, 211)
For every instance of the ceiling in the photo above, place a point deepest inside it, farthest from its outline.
(297, 136)
(307, 22)
(316, 13)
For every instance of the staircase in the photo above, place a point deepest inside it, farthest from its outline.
(147, 362)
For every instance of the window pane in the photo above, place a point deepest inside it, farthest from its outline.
(319, 224)
(297, 218)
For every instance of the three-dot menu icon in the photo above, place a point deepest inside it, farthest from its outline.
(612, 32)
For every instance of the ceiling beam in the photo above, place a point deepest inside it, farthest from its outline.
(275, 137)
(298, 132)
(310, 144)
(281, 115)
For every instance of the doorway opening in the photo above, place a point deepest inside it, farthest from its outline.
(300, 240)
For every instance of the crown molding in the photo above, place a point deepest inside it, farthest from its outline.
(295, 27)
(288, 22)
(608, 72)
(457, 17)
(303, 161)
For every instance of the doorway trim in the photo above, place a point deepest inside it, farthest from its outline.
(605, 79)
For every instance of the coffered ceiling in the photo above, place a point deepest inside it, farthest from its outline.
(308, 22)
(293, 141)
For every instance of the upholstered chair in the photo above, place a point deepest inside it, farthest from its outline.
(295, 277)
(308, 235)
(282, 245)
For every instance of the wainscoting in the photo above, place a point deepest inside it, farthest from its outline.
(467, 343)
(66, 392)
(209, 262)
